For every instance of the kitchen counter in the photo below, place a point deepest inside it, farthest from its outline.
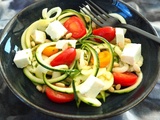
(11, 108)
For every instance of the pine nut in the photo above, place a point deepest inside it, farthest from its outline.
(127, 40)
(118, 86)
(121, 69)
(94, 25)
(33, 43)
(39, 88)
(136, 68)
(111, 89)
(68, 35)
(43, 88)
(60, 84)
(47, 40)
(116, 64)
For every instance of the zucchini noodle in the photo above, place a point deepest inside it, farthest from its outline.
(85, 64)
(120, 18)
(47, 15)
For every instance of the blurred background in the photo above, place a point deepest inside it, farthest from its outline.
(11, 108)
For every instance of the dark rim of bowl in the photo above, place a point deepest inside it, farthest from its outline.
(65, 116)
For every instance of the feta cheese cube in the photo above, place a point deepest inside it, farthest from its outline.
(131, 53)
(56, 30)
(91, 87)
(23, 58)
(120, 37)
(62, 43)
(39, 36)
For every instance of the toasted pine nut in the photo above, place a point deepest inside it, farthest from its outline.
(60, 84)
(47, 40)
(39, 88)
(136, 68)
(121, 69)
(33, 43)
(118, 86)
(121, 45)
(68, 35)
(44, 88)
(111, 89)
(115, 64)
(93, 25)
(127, 40)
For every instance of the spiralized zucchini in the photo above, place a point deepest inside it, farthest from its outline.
(47, 14)
(41, 73)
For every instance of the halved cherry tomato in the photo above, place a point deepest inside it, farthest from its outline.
(76, 26)
(125, 79)
(50, 50)
(66, 57)
(107, 32)
(104, 58)
(58, 97)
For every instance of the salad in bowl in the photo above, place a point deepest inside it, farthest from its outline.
(68, 57)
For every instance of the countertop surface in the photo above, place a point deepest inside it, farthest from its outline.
(11, 108)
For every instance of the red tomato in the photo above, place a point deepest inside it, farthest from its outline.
(105, 32)
(58, 97)
(76, 26)
(66, 57)
(125, 79)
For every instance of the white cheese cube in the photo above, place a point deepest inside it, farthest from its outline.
(23, 58)
(131, 53)
(120, 37)
(56, 30)
(39, 36)
(62, 43)
(91, 87)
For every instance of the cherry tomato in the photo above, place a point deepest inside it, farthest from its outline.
(125, 79)
(76, 26)
(105, 32)
(50, 50)
(58, 97)
(104, 58)
(66, 57)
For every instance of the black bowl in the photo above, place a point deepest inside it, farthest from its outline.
(115, 104)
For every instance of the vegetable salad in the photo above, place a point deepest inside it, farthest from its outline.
(69, 58)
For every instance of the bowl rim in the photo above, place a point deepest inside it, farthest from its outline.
(68, 116)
